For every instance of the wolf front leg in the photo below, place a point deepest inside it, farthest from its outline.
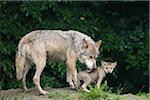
(99, 83)
(71, 70)
(69, 78)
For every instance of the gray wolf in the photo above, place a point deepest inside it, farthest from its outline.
(96, 75)
(68, 46)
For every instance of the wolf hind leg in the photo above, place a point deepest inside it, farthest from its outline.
(84, 87)
(40, 62)
(87, 81)
(26, 69)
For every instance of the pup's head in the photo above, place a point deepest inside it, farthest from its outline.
(108, 66)
(90, 53)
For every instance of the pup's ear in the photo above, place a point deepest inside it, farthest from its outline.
(98, 43)
(103, 63)
(85, 44)
(114, 64)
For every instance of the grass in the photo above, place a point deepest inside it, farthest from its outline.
(145, 96)
(104, 93)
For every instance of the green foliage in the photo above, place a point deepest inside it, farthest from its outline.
(146, 96)
(104, 93)
(122, 26)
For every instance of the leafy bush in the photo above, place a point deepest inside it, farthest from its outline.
(123, 27)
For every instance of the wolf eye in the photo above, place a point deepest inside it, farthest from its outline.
(91, 57)
(94, 57)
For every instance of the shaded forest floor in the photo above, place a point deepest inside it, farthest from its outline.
(59, 94)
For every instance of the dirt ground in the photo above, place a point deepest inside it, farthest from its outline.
(55, 94)
(32, 94)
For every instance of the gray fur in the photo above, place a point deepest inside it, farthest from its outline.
(37, 46)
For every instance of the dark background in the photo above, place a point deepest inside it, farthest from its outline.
(122, 26)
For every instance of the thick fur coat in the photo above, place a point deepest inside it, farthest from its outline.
(68, 46)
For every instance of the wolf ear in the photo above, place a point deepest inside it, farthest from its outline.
(98, 43)
(114, 64)
(103, 63)
(85, 44)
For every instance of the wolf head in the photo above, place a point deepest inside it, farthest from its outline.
(90, 53)
(108, 66)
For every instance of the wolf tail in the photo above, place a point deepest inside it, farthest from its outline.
(20, 60)
(23, 48)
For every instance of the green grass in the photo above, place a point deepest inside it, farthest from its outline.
(104, 93)
(145, 96)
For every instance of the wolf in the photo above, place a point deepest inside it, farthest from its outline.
(96, 75)
(68, 46)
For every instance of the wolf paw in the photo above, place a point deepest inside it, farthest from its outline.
(25, 89)
(85, 90)
(44, 92)
(72, 86)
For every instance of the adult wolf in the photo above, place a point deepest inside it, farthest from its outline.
(68, 46)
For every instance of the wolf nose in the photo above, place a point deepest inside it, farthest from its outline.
(89, 70)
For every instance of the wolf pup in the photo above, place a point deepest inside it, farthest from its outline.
(96, 75)
(68, 46)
